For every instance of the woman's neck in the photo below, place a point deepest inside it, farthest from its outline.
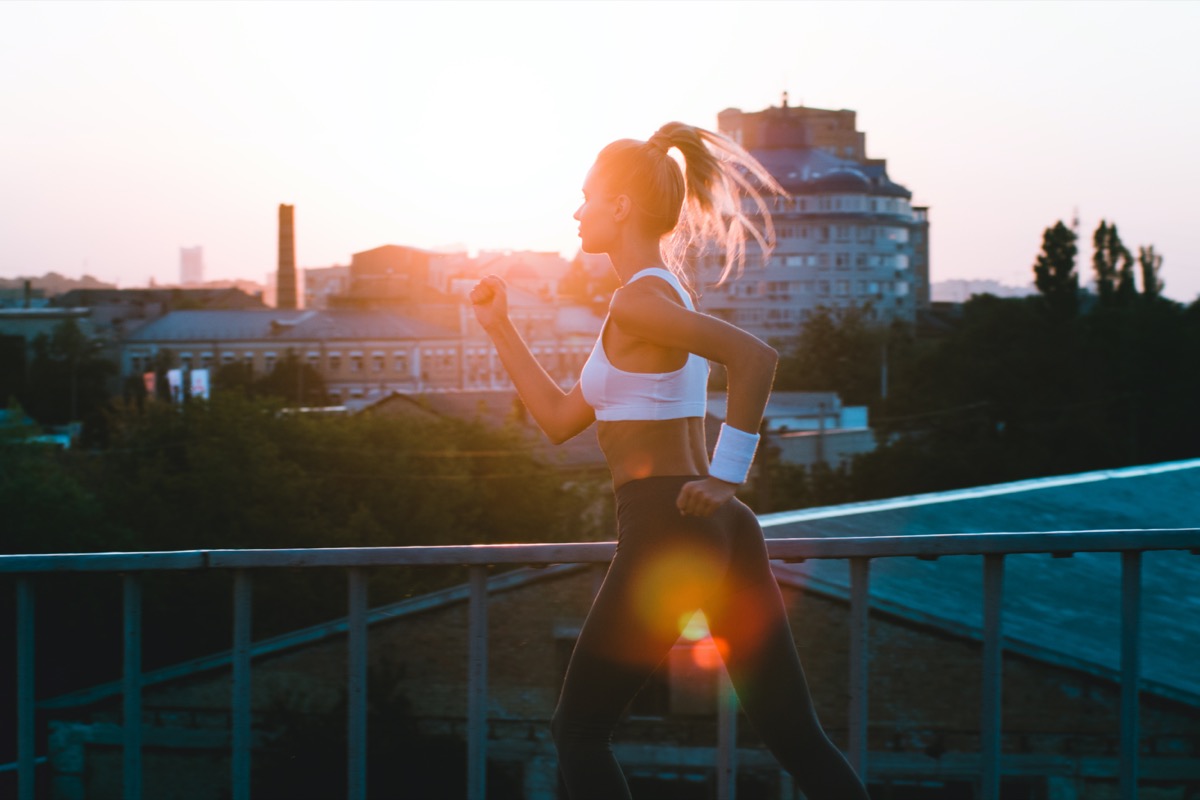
(632, 257)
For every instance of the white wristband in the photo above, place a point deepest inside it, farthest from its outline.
(733, 454)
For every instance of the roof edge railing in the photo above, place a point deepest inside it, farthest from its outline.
(789, 549)
(859, 550)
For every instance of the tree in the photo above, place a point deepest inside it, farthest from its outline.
(294, 381)
(1054, 271)
(1151, 266)
(838, 350)
(1113, 266)
(68, 380)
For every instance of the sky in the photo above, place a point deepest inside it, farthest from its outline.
(130, 130)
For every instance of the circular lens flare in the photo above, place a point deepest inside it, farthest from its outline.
(709, 653)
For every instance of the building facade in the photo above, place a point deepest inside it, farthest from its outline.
(367, 354)
(191, 265)
(847, 235)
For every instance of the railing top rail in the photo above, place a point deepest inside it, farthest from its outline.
(793, 549)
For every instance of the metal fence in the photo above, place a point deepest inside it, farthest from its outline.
(859, 551)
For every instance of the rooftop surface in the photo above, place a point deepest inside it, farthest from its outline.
(1062, 610)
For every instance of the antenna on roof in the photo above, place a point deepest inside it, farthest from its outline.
(785, 98)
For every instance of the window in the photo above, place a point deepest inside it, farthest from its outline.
(842, 288)
(841, 260)
(823, 288)
(377, 361)
(400, 363)
(860, 261)
(823, 261)
(843, 233)
(794, 261)
(335, 362)
(901, 288)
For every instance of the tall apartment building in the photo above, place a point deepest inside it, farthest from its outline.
(847, 235)
(191, 265)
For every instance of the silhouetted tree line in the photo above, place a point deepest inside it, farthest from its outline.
(241, 472)
(1060, 382)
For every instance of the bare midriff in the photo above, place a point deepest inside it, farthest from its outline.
(647, 448)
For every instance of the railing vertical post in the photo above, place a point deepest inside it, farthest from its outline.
(727, 711)
(993, 666)
(131, 688)
(242, 597)
(860, 592)
(1131, 611)
(477, 619)
(356, 686)
(25, 704)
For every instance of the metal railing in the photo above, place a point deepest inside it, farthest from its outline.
(992, 547)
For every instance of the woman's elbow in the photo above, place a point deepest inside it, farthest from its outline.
(766, 357)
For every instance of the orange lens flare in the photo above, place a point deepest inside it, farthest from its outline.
(709, 653)
(669, 590)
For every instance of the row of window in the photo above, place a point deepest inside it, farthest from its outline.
(841, 261)
(782, 290)
(864, 234)
(377, 362)
(861, 203)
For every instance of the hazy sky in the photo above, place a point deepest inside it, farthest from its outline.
(129, 130)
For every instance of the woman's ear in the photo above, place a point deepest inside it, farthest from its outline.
(622, 206)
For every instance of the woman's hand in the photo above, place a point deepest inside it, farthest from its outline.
(701, 498)
(489, 298)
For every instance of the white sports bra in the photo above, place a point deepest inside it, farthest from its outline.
(615, 394)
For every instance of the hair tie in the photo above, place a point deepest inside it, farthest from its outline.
(660, 141)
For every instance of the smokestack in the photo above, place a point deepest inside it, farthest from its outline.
(285, 278)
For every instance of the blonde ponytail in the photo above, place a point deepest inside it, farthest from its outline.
(698, 208)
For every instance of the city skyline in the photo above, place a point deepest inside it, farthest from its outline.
(135, 130)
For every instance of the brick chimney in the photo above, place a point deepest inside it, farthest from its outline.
(285, 278)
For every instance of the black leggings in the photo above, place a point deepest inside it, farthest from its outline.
(666, 567)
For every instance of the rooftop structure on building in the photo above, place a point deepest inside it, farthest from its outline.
(847, 234)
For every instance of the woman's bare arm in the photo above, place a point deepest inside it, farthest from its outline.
(561, 415)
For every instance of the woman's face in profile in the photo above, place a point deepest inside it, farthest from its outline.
(597, 214)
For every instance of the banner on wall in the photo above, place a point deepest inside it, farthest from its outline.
(198, 385)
